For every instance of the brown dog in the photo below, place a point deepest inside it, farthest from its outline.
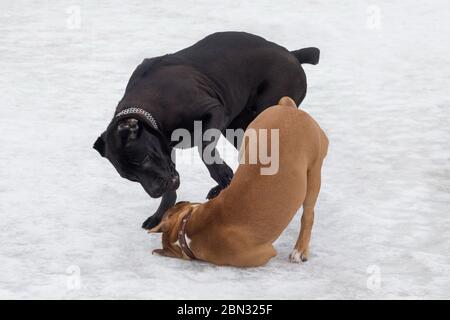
(238, 227)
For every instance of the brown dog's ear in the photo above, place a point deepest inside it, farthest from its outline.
(164, 253)
(158, 228)
(164, 224)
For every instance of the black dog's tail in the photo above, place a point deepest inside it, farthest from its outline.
(307, 55)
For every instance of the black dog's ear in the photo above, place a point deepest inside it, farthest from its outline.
(129, 129)
(99, 145)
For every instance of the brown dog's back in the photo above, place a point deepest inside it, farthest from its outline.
(261, 206)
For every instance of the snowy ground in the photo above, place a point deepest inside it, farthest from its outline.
(381, 92)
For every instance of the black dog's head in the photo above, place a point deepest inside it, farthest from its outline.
(139, 154)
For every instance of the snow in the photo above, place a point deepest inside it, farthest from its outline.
(70, 226)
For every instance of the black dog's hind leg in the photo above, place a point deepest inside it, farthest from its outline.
(218, 169)
(167, 201)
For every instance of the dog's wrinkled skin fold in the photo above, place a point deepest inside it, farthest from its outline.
(238, 227)
(224, 80)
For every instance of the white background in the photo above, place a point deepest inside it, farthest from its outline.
(70, 226)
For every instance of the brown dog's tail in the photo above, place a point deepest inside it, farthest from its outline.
(307, 55)
(288, 102)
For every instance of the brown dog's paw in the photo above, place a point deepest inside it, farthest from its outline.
(298, 256)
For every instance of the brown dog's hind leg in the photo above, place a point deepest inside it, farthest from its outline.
(301, 249)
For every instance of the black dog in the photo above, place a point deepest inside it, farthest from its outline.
(224, 80)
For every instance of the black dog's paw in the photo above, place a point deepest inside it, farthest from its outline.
(214, 192)
(151, 222)
(222, 174)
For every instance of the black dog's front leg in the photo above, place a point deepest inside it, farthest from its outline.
(167, 201)
(222, 174)
(218, 169)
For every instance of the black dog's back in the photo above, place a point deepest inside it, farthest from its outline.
(257, 72)
(247, 72)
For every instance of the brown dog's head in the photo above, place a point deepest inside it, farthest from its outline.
(170, 225)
